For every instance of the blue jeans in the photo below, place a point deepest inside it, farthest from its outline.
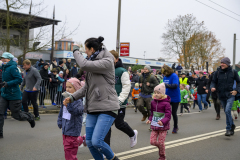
(97, 127)
(202, 98)
(227, 105)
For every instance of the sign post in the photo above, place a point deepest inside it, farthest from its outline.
(124, 49)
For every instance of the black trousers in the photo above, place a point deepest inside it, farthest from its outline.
(121, 125)
(53, 92)
(217, 105)
(195, 102)
(174, 113)
(59, 98)
(15, 108)
(30, 96)
(184, 105)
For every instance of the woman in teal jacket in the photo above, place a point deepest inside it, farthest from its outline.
(10, 92)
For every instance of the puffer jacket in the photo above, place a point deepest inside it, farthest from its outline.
(163, 106)
(223, 81)
(73, 126)
(147, 77)
(99, 89)
(13, 78)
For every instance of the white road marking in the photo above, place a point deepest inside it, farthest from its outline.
(172, 146)
(174, 143)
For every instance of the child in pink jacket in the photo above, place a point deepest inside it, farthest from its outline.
(160, 118)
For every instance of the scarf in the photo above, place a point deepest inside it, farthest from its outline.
(94, 55)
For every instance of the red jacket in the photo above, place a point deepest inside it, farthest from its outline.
(195, 96)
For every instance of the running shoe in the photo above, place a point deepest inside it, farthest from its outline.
(44, 107)
(54, 104)
(175, 130)
(40, 106)
(5, 117)
(37, 118)
(133, 140)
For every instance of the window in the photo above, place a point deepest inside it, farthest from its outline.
(69, 46)
(60, 46)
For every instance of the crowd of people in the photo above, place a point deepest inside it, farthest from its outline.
(101, 90)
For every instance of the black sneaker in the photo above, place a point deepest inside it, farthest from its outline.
(115, 158)
(1, 135)
(228, 133)
(232, 129)
(32, 123)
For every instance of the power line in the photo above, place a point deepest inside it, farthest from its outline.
(218, 11)
(224, 8)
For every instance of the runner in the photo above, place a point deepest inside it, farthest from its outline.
(122, 86)
(202, 91)
(10, 92)
(102, 102)
(223, 80)
(171, 81)
(147, 84)
(32, 80)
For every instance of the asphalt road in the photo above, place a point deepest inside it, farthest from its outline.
(200, 137)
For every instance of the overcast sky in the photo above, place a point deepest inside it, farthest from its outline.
(143, 21)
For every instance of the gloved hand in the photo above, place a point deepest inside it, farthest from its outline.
(75, 48)
(60, 126)
(66, 94)
(57, 75)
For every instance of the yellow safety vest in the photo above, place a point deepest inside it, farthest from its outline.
(184, 81)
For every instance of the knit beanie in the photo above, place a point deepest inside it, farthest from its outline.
(61, 72)
(76, 83)
(15, 59)
(136, 84)
(148, 68)
(226, 60)
(160, 88)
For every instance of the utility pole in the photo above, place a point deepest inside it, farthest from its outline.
(118, 25)
(234, 50)
(51, 58)
(144, 54)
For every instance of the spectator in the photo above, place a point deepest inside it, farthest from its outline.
(59, 98)
(68, 64)
(184, 79)
(179, 68)
(53, 64)
(147, 83)
(44, 84)
(135, 78)
(32, 80)
(53, 85)
(66, 77)
(223, 80)
(174, 66)
(10, 92)
(81, 75)
(202, 91)
(64, 62)
(60, 67)
(40, 65)
(74, 70)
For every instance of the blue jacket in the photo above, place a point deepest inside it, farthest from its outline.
(223, 81)
(74, 71)
(73, 126)
(179, 68)
(13, 78)
(172, 87)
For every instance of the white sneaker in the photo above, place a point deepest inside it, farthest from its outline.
(133, 140)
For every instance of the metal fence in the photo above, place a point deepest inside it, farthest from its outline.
(50, 93)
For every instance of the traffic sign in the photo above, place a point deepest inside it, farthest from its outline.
(124, 49)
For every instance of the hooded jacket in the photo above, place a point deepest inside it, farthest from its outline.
(99, 88)
(223, 81)
(163, 106)
(44, 73)
(74, 71)
(13, 78)
(73, 126)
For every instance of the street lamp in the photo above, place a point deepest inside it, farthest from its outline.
(144, 54)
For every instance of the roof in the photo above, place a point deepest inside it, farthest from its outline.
(35, 21)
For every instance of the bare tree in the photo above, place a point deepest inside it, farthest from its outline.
(178, 31)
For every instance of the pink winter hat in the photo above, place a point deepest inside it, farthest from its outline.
(76, 83)
(160, 88)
